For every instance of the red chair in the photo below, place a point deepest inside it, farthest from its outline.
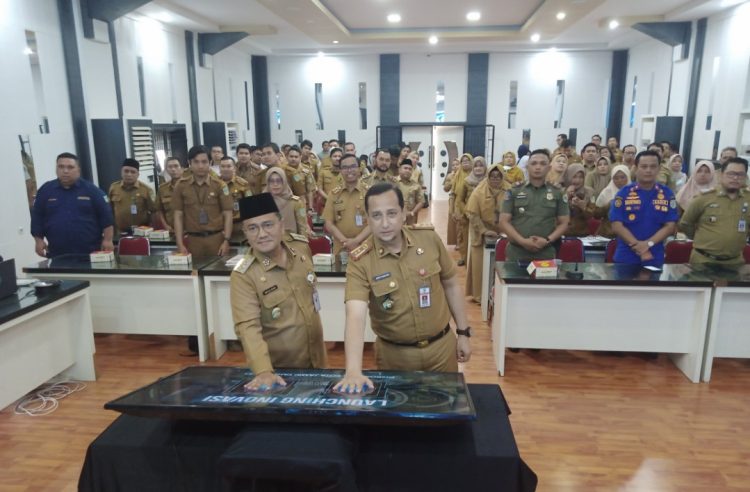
(677, 252)
(134, 245)
(321, 245)
(593, 224)
(571, 250)
(500, 246)
(746, 254)
(610, 255)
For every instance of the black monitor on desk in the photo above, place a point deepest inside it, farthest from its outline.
(8, 284)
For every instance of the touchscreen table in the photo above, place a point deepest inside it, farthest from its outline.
(218, 393)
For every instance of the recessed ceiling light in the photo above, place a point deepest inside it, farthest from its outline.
(433, 39)
(560, 15)
(535, 37)
(335, 42)
(613, 24)
(321, 54)
(473, 16)
(393, 18)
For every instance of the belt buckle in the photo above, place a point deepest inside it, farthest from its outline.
(423, 343)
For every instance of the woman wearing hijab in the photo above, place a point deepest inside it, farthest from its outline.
(678, 177)
(620, 177)
(558, 165)
(600, 177)
(701, 180)
(580, 200)
(483, 209)
(514, 175)
(462, 224)
(523, 158)
(450, 178)
(291, 208)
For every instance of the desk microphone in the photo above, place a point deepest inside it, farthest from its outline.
(574, 275)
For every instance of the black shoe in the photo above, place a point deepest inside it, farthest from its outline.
(461, 263)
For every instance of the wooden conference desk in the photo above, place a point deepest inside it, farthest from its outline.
(219, 324)
(614, 307)
(41, 337)
(140, 295)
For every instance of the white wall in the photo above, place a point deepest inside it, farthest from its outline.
(18, 107)
(726, 38)
(420, 74)
(586, 76)
(295, 78)
(231, 69)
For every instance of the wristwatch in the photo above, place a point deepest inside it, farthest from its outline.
(227, 239)
(464, 333)
(650, 244)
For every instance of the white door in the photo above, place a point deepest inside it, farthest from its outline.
(419, 139)
(448, 144)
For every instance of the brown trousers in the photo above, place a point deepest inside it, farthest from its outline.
(201, 247)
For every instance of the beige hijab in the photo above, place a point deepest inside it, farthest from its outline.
(692, 189)
(596, 181)
(609, 192)
(283, 200)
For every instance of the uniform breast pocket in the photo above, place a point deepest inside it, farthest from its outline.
(713, 215)
(116, 198)
(521, 203)
(386, 294)
(84, 203)
(427, 276)
(212, 198)
(275, 301)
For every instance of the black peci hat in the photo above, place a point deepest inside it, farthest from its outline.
(255, 205)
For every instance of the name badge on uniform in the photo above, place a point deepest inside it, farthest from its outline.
(424, 297)
(358, 220)
(316, 300)
(236, 206)
(742, 226)
(134, 209)
(202, 217)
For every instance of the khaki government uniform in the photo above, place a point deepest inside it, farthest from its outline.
(713, 221)
(253, 176)
(239, 188)
(463, 192)
(297, 181)
(377, 177)
(448, 188)
(579, 219)
(328, 180)
(534, 213)
(514, 175)
(390, 284)
(665, 177)
(122, 198)
(164, 201)
(413, 196)
(342, 208)
(214, 198)
(483, 210)
(273, 309)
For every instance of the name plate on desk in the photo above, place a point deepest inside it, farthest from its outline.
(218, 393)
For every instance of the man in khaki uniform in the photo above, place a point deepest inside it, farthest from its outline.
(412, 191)
(238, 188)
(718, 220)
(589, 155)
(308, 158)
(535, 214)
(299, 176)
(164, 210)
(249, 168)
(274, 298)
(381, 168)
(407, 280)
(330, 178)
(344, 213)
(132, 201)
(202, 209)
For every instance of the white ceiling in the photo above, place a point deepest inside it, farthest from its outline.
(285, 27)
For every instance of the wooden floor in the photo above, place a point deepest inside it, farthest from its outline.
(583, 421)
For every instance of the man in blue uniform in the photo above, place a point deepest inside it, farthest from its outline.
(643, 214)
(71, 213)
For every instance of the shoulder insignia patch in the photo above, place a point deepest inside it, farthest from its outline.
(422, 227)
(360, 251)
(508, 195)
(336, 190)
(244, 264)
(298, 237)
(295, 198)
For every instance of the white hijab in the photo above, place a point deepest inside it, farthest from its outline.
(609, 191)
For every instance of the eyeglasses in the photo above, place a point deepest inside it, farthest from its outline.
(254, 229)
(277, 181)
(735, 175)
(349, 168)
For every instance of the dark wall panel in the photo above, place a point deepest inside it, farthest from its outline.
(259, 67)
(390, 116)
(109, 149)
(617, 93)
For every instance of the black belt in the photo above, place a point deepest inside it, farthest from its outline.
(203, 234)
(422, 343)
(716, 257)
